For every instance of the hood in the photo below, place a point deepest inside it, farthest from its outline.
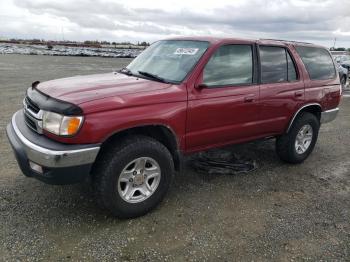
(345, 63)
(80, 89)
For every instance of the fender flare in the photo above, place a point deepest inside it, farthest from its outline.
(299, 110)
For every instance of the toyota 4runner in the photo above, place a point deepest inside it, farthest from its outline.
(127, 130)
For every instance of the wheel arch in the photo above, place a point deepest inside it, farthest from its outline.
(163, 134)
(313, 108)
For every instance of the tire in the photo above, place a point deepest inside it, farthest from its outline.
(290, 147)
(114, 167)
(343, 82)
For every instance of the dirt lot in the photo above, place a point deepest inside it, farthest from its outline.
(278, 212)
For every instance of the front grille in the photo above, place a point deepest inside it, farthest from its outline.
(30, 123)
(31, 105)
(32, 115)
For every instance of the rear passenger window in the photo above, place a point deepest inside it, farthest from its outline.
(229, 65)
(276, 65)
(318, 62)
(273, 64)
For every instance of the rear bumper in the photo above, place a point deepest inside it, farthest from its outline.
(60, 163)
(329, 115)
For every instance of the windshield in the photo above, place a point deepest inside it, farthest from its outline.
(168, 60)
(342, 58)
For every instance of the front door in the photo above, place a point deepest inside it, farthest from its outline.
(223, 108)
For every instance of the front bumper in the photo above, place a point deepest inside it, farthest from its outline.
(329, 115)
(61, 163)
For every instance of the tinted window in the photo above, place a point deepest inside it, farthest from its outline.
(317, 61)
(273, 64)
(276, 65)
(292, 75)
(229, 65)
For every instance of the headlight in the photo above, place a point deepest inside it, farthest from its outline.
(61, 125)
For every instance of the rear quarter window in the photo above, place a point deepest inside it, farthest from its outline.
(318, 62)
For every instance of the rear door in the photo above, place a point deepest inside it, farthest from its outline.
(225, 108)
(281, 89)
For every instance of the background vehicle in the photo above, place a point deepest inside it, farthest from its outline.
(343, 67)
(343, 75)
(343, 60)
(129, 129)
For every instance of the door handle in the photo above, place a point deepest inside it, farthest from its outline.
(249, 99)
(298, 93)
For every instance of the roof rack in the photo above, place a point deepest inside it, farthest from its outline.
(289, 41)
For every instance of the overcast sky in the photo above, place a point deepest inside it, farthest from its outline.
(317, 21)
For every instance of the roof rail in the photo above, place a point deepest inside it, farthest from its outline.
(289, 41)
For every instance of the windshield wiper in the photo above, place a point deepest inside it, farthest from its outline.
(126, 71)
(153, 76)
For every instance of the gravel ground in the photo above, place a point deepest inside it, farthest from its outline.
(278, 212)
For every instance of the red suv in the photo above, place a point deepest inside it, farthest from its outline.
(128, 130)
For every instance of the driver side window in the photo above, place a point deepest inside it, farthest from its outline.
(229, 65)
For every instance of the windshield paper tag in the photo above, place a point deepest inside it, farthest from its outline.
(186, 51)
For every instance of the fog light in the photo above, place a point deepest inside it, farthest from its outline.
(36, 167)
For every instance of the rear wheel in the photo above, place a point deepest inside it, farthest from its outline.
(296, 145)
(133, 177)
(343, 82)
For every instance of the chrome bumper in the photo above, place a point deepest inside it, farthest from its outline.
(54, 158)
(329, 115)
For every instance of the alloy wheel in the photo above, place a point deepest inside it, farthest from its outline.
(139, 180)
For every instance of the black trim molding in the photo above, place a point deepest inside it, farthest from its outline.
(49, 103)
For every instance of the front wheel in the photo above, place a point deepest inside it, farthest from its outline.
(134, 176)
(296, 145)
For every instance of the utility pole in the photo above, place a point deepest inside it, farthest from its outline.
(62, 33)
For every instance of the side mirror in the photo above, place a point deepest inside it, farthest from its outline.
(200, 86)
(34, 84)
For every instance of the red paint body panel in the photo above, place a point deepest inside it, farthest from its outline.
(221, 115)
(81, 89)
(104, 117)
(200, 118)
